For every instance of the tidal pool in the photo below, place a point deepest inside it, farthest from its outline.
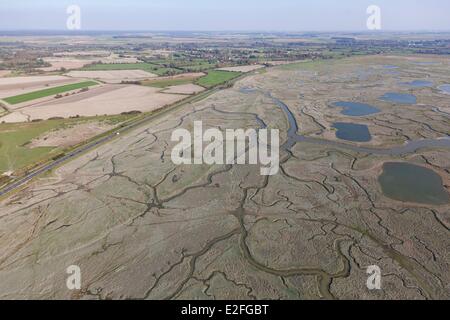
(352, 132)
(445, 88)
(400, 98)
(412, 183)
(418, 84)
(355, 109)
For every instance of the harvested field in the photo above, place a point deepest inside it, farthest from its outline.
(184, 89)
(73, 95)
(242, 68)
(19, 85)
(48, 92)
(113, 76)
(114, 58)
(4, 73)
(66, 63)
(94, 53)
(14, 86)
(79, 60)
(23, 81)
(179, 79)
(149, 67)
(124, 99)
(93, 92)
(14, 117)
(70, 136)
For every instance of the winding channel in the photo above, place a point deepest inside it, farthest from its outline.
(324, 279)
(293, 137)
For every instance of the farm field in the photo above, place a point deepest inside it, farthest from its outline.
(20, 145)
(48, 92)
(89, 179)
(244, 69)
(113, 76)
(116, 59)
(199, 66)
(180, 79)
(12, 86)
(14, 154)
(104, 100)
(303, 233)
(86, 53)
(188, 89)
(216, 77)
(152, 68)
(70, 135)
(187, 64)
(67, 63)
(4, 73)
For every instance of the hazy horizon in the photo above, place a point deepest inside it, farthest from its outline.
(232, 16)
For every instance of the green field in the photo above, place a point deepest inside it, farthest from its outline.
(199, 66)
(14, 137)
(164, 83)
(149, 67)
(216, 77)
(49, 92)
(186, 64)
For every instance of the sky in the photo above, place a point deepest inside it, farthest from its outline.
(226, 15)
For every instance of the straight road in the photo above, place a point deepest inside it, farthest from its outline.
(94, 144)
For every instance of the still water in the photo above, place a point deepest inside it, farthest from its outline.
(411, 183)
(352, 132)
(356, 109)
(400, 98)
(418, 84)
(445, 88)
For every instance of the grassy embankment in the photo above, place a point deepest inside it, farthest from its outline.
(216, 77)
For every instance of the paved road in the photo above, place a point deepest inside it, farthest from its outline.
(94, 144)
(68, 156)
(76, 152)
